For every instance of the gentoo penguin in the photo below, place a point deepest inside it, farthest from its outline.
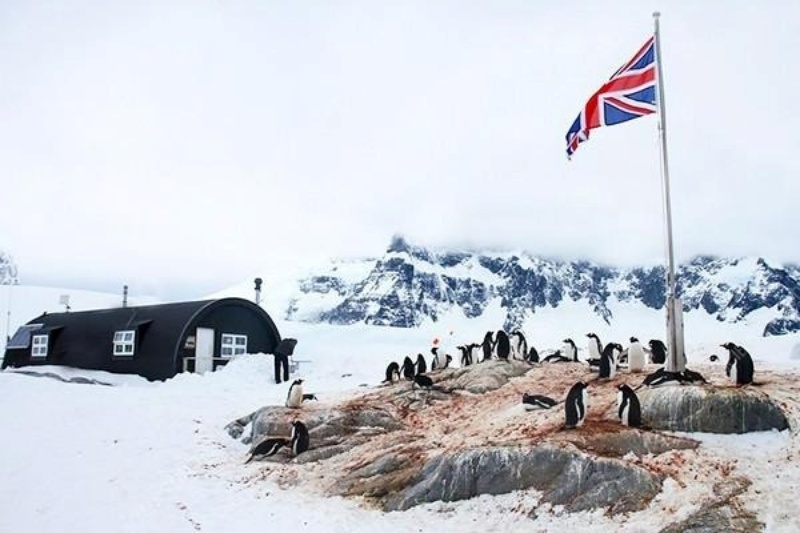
(294, 398)
(475, 351)
(608, 360)
(537, 401)
(595, 346)
(392, 373)
(447, 360)
(661, 377)
(299, 440)
(466, 355)
(570, 350)
(408, 368)
(658, 352)
(635, 356)
(533, 355)
(630, 412)
(519, 345)
(740, 364)
(488, 346)
(690, 376)
(503, 345)
(422, 381)
(436, 363)
(575, 406)
(556, 357)
(267, 447)
(714, 358)
(422, 367)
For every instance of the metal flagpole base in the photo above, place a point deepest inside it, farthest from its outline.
(676, 357)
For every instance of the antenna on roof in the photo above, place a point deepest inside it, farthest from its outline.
(64, 300)
(124, 296)
(258, 282)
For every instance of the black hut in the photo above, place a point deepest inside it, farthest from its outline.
(154, 341)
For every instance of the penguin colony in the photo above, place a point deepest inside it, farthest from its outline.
(607, 360)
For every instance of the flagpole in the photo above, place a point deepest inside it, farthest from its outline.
(676, 360)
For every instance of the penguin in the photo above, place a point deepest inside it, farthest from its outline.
(294, 398)
(635, 356)
(447, 360)
(556, 357)
(608, 360)
(408, 368)
(661, 377)
(630, 411)
(299, 441)
(466, 355)
(392, 373)
(570, 350)
(690, 376)
(740, 364)
(422, 367)
(488, 346)
(536, 401)
(595, 346)
(422, 381)
(575, 406)
(519, 345)
(267, 447)
(658, 352)
(435, 362)
(503, 345)
(475, 351)
(533, 355)
(714, 358)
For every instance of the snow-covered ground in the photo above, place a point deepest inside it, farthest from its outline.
(141, 456)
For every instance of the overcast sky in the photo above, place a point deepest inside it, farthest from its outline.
(178, 146)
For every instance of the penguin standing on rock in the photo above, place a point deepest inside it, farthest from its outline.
(519, 345)
(294, 398)
(299, 440)
(533, 355)
(608, 360)
(503, 345)
(422, 366)
(635, 356)
(408, 368)
(488, 346)
(629, 409)
(422, 381)
(575, 406)
(436, 363)
(570, 350)
(392, 373)
(740, 364)
(658, 352)
(466, 355)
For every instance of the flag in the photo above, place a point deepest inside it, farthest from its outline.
(630, 93)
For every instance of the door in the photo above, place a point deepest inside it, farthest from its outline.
(204, 351)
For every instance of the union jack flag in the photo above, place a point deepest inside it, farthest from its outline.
(630, 93)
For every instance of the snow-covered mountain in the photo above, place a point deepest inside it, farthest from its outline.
(411, 284)
(8, 269)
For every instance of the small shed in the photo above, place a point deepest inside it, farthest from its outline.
(154, 341)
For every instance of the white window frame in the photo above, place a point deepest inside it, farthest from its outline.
(232, 344)
(39, 346)
(124, 343)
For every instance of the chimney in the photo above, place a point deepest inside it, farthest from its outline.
(258, 290)
(124, 296)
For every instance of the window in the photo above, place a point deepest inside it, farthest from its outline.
(233, 345)
(39, 348)
(22, 338)
(124, 342)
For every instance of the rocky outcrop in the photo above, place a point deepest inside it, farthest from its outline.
(710, 410)
(565, 476)
(725, 513)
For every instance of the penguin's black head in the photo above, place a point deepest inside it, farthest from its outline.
(713, 358)
(623, 386)
(297, 382)
(581, 385)
(618, 346)
(592, 335)
(568, 341)
(634, 339)
(728, 346)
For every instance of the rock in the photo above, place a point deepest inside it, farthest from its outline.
(726, 513)
(331, 430)
(710, 410)
(482, 377)
(565, 476)
(635, 441)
